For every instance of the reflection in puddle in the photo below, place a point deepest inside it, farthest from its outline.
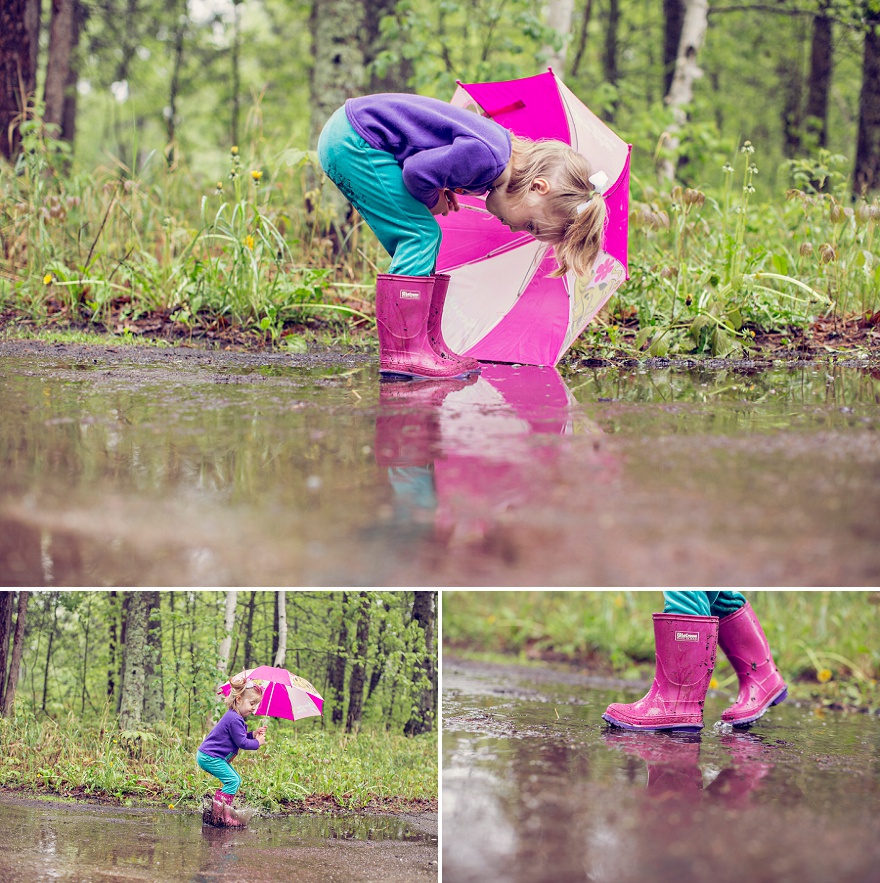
(86, 843)
(539, 790)
(200, 469)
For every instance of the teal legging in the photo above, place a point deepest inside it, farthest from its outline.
(372, 182)
(703, 603)
(221, 769)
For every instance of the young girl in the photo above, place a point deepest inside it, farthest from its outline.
(221, 745)
(401, 159)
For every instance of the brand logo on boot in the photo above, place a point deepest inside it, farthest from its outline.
(687, 636)
(409, 295)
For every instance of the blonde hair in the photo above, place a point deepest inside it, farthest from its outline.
(238, 687)
(578, 207)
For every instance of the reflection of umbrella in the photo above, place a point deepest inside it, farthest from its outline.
(502, 306)
(284, 694)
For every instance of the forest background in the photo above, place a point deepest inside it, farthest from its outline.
(108, 694)
(161, 181)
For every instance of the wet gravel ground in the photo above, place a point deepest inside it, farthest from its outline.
(536, 788)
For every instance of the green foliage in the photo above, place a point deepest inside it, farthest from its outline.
(345, 770)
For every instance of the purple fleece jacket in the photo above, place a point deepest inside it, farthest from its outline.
(228, 736)
(437, 146)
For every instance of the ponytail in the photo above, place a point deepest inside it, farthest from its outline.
(582, 240)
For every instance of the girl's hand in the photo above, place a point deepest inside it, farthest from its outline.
(260, 737)
(260, 731)
(448, 202)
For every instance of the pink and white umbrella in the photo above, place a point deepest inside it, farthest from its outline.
(502, 305)
(285, 695)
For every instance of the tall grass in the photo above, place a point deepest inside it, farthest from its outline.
(335, 769)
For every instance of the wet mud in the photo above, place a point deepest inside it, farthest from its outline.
(85, 844)
(135, 466)
(537, 788)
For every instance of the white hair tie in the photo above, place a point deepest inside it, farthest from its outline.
(599, 180)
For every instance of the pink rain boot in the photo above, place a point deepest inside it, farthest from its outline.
(435, 333)
(230, 818)
(214, 816)
(402, 307)
(742, 639)
(685, 650)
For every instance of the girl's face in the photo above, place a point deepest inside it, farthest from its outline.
(248, 703)
(523, 213)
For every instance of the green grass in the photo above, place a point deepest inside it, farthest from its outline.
(326, 768)
(826, 643)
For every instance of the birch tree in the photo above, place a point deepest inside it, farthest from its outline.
(425, 707)
(278, 662)
(359, 669)
(681, 91)
(558, 14)
(867, 166)
(134, 675)
(228, 625)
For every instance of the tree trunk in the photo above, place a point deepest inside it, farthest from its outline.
(180, 12)
(249, 631)
(791, 96)
(612, 47)
(359, 669)
(281, 608)
(154, 686)
(582, 37)
(133, 679)
(52, 600)
(559, 14)
(673, 20)
(681, 90)
(425, 712)
(17, 650)
(338, 59)
(228, 625)
(236, 79)
(819, 82)
(85, 654)
(19, 42)
(336, 669)
(867, 167)
(112, 664)
(63, 39)
(396, 76)
(6, 602)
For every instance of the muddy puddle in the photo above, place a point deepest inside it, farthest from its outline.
(132, 466)
(85, 844)
(538, 789)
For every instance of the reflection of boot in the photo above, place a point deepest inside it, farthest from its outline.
(672, 761)
(402, 307)
(408, 428)
(435, 332)
(742, 639)
(735, 783)
(685, 652)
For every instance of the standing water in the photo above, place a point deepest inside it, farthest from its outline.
(538, 789)
(179, 467)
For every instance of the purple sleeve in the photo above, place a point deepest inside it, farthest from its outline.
(240, 736)
(465, 161)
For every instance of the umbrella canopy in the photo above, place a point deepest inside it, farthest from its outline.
(502, 305)
(284, 694)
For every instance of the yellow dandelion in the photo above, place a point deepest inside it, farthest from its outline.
(234, 150)
(249, 242)
(170, 806)
(47, 279)
(823, 675)
(713, 684)
(256, 175)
